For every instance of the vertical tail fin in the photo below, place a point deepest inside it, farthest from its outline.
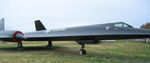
(39, 26)
(2, 24)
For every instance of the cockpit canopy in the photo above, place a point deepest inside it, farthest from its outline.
(122, 24)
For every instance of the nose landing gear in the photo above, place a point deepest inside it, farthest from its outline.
(82, 51)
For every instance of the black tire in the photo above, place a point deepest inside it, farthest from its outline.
(20, 48)
(82, 52)
(49, 47)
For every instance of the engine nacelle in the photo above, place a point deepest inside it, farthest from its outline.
(87, 41)
(14, 36)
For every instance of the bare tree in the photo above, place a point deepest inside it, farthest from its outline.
(146, 26)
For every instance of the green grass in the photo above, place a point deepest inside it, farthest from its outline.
(67, 52)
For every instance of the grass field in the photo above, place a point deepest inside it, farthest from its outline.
(67, 52)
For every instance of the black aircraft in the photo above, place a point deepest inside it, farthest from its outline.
(82, 35)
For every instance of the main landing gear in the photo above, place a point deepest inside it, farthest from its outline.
(82, 51)
(50, 44)
(20, 46)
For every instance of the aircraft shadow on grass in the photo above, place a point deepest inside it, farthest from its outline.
(64, 50)
(29, 48)
(57, 49)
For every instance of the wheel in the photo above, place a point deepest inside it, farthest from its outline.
(20, 48)
(49, 47)
(82, 51)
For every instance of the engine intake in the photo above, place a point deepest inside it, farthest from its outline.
(18, 36)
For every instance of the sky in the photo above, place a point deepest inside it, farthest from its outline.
(21, 14)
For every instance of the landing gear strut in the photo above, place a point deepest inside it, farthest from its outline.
(50, 44)
(20, 46)
(82, 51)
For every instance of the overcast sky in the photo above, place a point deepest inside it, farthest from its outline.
(21, 14)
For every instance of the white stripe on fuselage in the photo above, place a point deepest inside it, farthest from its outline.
(54, 30)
